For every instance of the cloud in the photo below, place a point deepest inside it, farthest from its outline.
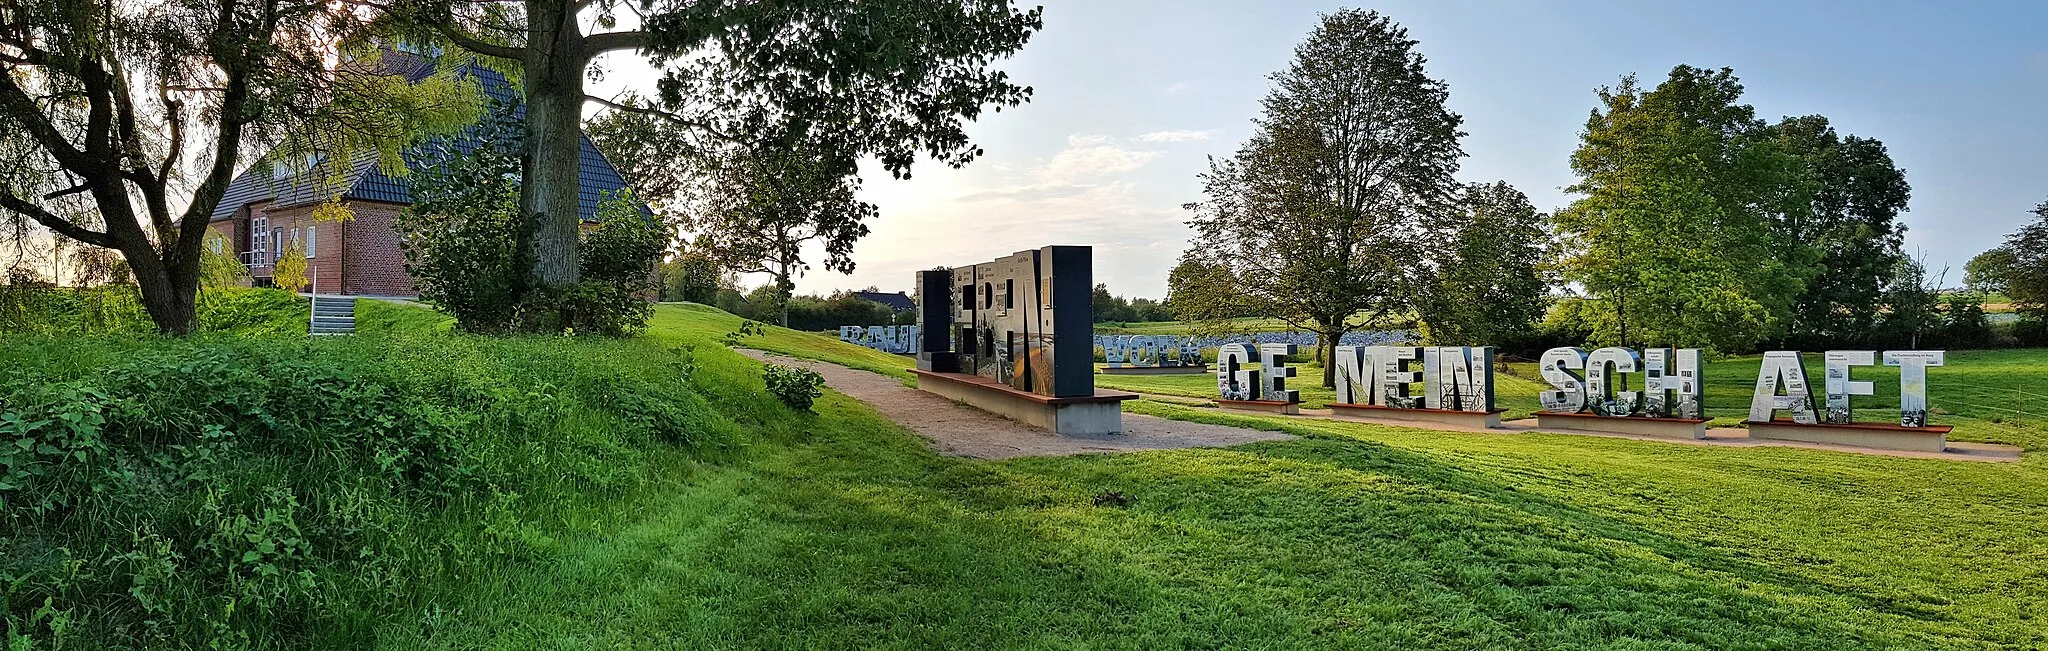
(1179, 136)
(1083, 194)
(1086, 159)
(1179, 87)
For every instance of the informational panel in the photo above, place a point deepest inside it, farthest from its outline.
(1025, 320)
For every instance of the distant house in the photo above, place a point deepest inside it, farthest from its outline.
(895, 301)
(264, 210)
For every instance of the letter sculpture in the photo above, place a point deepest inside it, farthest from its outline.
(901, 340)
(1022, 320)
(1582, 381)
(1149, 351)
(1454, 378)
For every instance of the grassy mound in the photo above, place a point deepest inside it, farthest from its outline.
(286, 492)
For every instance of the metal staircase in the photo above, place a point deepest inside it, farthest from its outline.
(333, 315)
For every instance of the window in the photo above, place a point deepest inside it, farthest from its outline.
(259, 240)
(276, 243)
(1009, 293)
(310, 232)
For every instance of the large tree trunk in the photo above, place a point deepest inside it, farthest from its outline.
(548, 197)
(1326, 349)
(169, 290)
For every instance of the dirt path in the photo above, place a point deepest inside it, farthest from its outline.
(965, 431)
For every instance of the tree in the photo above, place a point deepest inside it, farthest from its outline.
(1987, 272)
(1316, 220)
(1676, 238)
(759, 207)
(1487, 289)
(99, 103)
(290, 274)
(691, 277)
(1851, 229)
(890, 78)
(1914, 304)
(2025, 275)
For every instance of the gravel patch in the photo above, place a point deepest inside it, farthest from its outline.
(960, 430)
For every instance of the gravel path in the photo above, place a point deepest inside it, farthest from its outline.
(960, 430)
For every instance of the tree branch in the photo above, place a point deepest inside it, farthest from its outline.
(470, 42)
(53, 222)
(596, 44)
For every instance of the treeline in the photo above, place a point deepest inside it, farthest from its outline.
(1694, 222)
(2018, 271)
(1110, 308)
(698, 280)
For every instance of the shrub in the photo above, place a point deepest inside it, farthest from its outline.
(291, 270)
(796, 387)
(462, 238)
(461, 234)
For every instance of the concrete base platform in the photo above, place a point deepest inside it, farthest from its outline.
(1155, 370)
(1883, 436)
(1267, 406)
(1670, 428)
(1095, 415)
(1473, 419)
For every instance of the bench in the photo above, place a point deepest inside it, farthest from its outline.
(1884, 436)
(1094, 415)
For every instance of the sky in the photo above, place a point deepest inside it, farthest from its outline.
(1131, 97)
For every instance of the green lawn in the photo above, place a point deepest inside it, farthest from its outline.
(844, 531)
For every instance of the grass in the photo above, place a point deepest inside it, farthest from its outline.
(844, 531)
(841, 530)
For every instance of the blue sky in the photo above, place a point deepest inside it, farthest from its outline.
(1132, 96)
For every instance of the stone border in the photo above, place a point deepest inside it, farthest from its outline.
(1668, 428)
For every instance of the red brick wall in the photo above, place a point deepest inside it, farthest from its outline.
(374, 263)
(324, 266)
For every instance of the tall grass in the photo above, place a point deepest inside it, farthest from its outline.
(28, 308)
(286, 492)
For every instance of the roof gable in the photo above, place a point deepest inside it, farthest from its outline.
(363, 181)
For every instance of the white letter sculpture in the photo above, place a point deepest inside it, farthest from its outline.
(1558, 366)
(1781, 367)
(1272, 357)
(1840, 387)
(1913, 382)
(1237, 378)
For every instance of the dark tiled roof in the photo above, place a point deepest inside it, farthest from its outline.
(363, 181)
(896, 300)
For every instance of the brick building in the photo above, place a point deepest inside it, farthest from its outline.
(271, 206)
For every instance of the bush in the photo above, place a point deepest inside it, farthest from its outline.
(841, 309)
(294, 493)
(462, 238)
(796, 387)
